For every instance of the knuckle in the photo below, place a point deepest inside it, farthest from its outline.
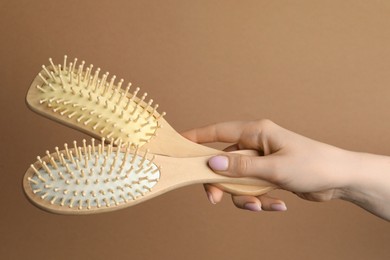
(243, 163)
(238, 202)
(265, 123)
(265, 127)
(279, 178)
(276, 178)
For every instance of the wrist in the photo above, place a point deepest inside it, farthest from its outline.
(353, 173)
(367, 182)
(343, 170)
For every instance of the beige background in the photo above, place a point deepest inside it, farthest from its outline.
(320, 68)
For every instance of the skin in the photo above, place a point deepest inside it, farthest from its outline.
(312, 170)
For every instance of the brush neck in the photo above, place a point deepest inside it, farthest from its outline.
(170, 143)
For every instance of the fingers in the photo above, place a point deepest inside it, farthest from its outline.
(214, 195)
(231, 148)
(263, 202)
(235, 165)
(272, 204)
(228, 132)
(246, 134)
(247, 202)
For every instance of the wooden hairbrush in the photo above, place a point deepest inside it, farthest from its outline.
(94, 178)
(100, 107)
(97, 105)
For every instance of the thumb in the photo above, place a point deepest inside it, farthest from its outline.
(242, 165)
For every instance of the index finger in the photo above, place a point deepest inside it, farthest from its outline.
(227, 132)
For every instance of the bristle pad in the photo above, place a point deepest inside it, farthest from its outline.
(105, 179)
(97, 104)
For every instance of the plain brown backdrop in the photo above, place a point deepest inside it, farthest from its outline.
(320, 68)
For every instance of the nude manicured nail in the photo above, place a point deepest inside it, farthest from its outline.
(210, 197)
(219, 163)
(252, 206)
(278, 207)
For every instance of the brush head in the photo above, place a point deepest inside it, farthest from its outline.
(89, 179)
(93, 103)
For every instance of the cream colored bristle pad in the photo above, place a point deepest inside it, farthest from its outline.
(91, 176)
(80, 96)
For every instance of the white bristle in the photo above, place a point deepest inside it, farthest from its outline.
(47, 72)
(161, 116)
(51, 87)
(43, 78)
(95, 78)
(53, 66)
(88, 72)
(62, 83)
(70, 73)
(147, 106)
(80, 69)
(65, 57)
(100, 180)
(74, 65)
(41, 89)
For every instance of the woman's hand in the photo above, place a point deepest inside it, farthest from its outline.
(313, 170)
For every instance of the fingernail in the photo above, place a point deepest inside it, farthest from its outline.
(252, 206)
(219, 163)
(210, 197)
(278, 207)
